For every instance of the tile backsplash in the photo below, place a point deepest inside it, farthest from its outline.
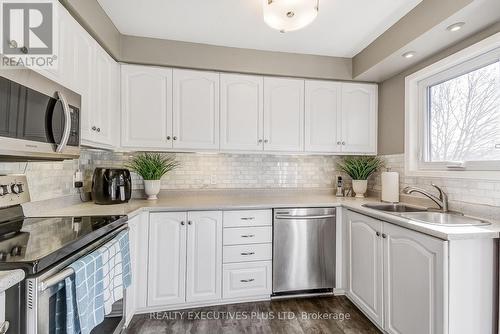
(48, 180)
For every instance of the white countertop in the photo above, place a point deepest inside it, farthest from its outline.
(263, 199)
(10, 278)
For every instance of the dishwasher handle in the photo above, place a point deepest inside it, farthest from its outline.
(304, 217)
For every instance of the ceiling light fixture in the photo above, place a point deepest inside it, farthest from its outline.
(409, 54)
(289, 15)
(455, 26)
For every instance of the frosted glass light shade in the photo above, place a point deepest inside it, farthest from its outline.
(289, 15)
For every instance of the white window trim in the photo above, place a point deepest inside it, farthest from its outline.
(414, 127)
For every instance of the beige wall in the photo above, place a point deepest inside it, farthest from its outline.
(392, 97)
(203, 56)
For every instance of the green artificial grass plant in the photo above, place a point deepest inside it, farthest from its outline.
(360, 167)
(152, 166)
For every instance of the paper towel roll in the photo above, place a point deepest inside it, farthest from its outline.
(390, 187)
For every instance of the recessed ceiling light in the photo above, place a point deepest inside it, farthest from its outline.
(409, 54)
(455, 26)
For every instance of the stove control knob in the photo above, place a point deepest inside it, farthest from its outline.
(4, 190)
(17, 188)
(16, 251)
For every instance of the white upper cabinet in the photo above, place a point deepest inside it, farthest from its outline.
(323, 104)
(359, 118)
(241, 112)
(195, 110)
(204, 256)
(283, 114)
(146, 94)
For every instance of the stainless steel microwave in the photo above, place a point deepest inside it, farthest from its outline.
(39, 119)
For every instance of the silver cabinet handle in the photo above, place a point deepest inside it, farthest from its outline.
(247, 253)
(98, 129)
(247, 280)
(266, 141)
(343, 143)
(94, 128)
(183, 223)
(168, 137)
(247, 218)
(67, 122)
(378, 234)
(339, 143)
(384, 235)
(248, 235)
(190, 222)
(304, 217)
(5, 327)
(175, 138)
(260, 141)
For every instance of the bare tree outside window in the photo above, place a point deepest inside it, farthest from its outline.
(464, 117)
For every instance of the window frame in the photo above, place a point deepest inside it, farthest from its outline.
(417, 113)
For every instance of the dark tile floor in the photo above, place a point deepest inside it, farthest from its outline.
(288, 316)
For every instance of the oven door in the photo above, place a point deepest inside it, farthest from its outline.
(36, 125)
(44, 293)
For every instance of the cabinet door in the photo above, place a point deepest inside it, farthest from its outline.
(414, 272)
(195, 110)
(137, 292)
(365, 267)
(283, 114)
(167, 258)
(359, 118)
(146, 94)
(104, 81)
(204, 256)
(322, 116)
(241, 112)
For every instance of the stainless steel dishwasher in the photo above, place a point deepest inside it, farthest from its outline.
(303, 251)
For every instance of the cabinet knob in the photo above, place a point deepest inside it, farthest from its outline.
(378, 234)
(94, 128)
(343, 143)
(98, 129)
(190, 222)
(183, 223)
(339, 143)
(384, 235)
(168, 137)
(260, 141)
(266, 141)
(175, 138)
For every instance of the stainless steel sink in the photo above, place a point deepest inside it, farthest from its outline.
(444, 219)
(399, 207)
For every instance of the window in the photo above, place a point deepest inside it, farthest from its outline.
(459, 114)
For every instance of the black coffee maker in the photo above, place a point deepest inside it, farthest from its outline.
(111, 186)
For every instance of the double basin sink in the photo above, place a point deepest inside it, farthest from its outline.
(423, 215)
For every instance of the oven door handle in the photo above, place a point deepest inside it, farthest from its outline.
(67, 123)
(68, 271)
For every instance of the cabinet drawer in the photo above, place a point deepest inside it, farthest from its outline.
(248, 218)
(247, 279)
(248, 235)
(245, 253)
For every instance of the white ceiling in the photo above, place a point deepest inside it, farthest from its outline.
(342, 29)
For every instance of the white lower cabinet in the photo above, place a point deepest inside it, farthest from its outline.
(247, 279)
(396, 276)
(185, 257)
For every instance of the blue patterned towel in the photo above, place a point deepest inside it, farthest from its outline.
(98, 278)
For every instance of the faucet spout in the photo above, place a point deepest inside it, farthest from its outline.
(441, 201)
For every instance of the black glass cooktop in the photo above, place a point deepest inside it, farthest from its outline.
(34, 244)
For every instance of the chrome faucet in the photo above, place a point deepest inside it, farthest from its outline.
(441, 201)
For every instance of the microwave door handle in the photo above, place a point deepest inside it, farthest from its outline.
(67, 123)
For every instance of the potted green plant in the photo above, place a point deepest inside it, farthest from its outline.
(359, 168)
(152, 166)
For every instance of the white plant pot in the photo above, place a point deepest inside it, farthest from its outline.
(360, 187)
(152, 188)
